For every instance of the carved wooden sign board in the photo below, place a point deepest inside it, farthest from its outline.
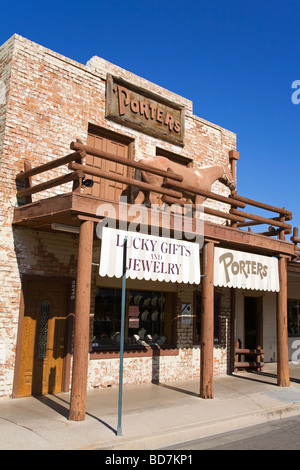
(143, 110)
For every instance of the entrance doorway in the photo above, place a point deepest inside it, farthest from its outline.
(253, 322)
(43, 338)
(110, 142)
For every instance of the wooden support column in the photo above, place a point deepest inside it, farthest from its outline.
(82, 322)
(283, 376)
(207, 323)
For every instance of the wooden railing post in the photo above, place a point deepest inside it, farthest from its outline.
(281, 234)
(295, 238)
(207, 324)
(82, 322)
(233, 157)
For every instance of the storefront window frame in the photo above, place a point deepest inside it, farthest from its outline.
(113, 350)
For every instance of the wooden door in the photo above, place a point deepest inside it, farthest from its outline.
(43, 339)
(106, 189)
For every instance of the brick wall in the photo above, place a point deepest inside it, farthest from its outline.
(49, 102)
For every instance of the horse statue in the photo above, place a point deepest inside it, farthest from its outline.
(198, 177)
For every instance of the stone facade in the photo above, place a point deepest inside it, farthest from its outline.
(49, 101)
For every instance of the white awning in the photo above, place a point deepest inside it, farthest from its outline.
(245, 270)
(149, 257)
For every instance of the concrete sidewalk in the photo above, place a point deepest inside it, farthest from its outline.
(154, 416)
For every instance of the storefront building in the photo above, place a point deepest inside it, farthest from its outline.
(60, 317)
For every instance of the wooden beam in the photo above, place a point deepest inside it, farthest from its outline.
(259, 218)
(261, 205)
(251, 352)
(78, 204)
(274, 233)
(50, 184)
(244, 365)
(82, 322)
(207, 324)
(42, 208)
(249, 223)
(124, 161)
(124, 179)
(49, 166)
(206, 210)
(283, 378)
(252, 242)
(201, 192)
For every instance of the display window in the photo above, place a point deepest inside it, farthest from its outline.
(148, 318)
(294, 317)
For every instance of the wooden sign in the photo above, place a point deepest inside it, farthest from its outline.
(143, 110)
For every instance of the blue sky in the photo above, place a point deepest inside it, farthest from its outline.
(235, 59)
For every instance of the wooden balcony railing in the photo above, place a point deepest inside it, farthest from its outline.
(247, 363)
(29, 172)
(172, 190)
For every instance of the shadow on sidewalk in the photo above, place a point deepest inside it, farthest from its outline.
(176, 389)
(258, 377)
(64, 410)
(53, 404)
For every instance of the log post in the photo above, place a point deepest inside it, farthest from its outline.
(82, 322)
(233, 157)
(207, 323)
(283, 377)
(281, 235)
